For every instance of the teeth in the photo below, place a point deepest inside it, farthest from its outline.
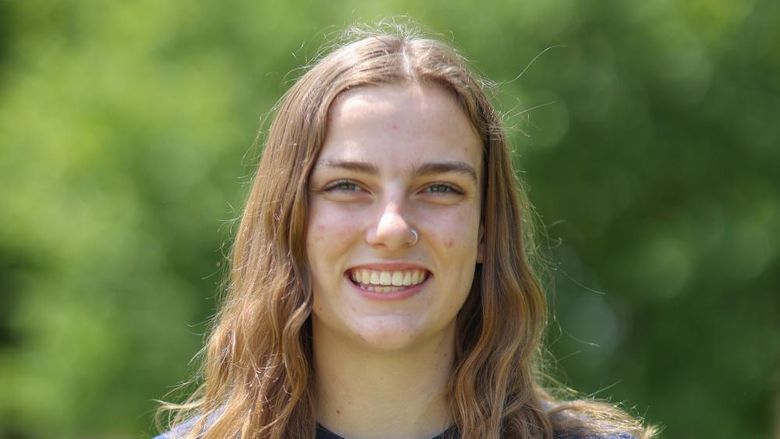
(380, 280)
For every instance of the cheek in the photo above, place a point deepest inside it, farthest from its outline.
(456, 240)
(318, 231)
(460, 231)
(328, 228)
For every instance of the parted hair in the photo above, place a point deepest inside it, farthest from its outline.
(256, 378)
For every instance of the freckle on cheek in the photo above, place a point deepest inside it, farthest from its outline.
(448, 243)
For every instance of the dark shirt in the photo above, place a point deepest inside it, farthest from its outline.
(324, 433)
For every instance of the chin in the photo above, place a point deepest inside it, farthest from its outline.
(393, 334)
(383, 342)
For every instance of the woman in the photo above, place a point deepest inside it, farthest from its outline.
(380, 284)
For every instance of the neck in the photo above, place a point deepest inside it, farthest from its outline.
(367, 394)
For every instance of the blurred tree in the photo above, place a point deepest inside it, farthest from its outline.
(648, 142)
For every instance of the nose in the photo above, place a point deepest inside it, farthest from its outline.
(392, 230)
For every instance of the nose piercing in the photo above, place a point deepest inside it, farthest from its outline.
(415, 237)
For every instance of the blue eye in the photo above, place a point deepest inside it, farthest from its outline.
(342, 186)
(443, 188)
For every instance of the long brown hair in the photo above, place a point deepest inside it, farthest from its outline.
(257, 372)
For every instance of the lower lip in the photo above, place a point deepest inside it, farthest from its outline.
(395, 295)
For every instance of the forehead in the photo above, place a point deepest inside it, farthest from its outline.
(396, 124)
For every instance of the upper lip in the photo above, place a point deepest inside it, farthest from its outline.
(389, 266)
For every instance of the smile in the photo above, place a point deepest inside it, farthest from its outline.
(386, 281)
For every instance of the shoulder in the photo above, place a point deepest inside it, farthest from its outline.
(179, 431)
(585, 419)
(594, 436)
(172, 434)
(196, 422)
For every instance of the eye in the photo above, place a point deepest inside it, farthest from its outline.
(342, 186)
(443, 189)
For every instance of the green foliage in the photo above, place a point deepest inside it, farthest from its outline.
(649, 142)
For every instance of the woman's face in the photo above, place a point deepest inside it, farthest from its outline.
(394, 228)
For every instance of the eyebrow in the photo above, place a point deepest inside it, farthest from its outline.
(429, 168)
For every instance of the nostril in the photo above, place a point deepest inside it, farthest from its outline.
(392, 233)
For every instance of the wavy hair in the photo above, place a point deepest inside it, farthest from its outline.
(257, 372)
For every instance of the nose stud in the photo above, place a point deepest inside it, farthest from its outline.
(415, 237)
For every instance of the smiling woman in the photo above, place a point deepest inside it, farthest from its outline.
(379, 284)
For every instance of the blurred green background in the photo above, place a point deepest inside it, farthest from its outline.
(649, 142)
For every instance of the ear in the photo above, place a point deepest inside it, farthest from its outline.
(481, 244)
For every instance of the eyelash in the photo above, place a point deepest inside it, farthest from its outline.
(351, 186)
(340, 185)
(447, 188)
